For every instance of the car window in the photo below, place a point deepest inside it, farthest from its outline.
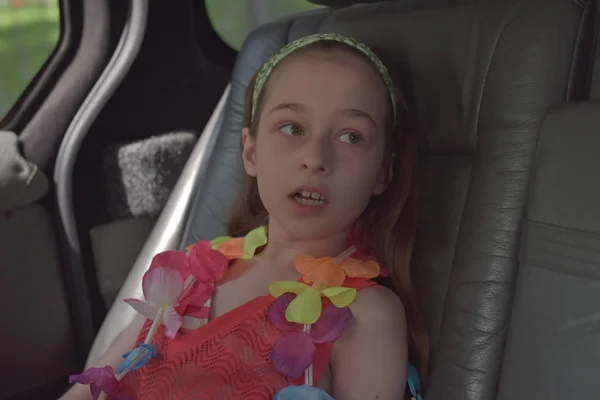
(233, 19)
(29, 33)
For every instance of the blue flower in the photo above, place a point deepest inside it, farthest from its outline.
(303, 392)
(137, 358)
(414, 382)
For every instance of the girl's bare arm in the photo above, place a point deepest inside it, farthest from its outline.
(113, 357)
(369, 360)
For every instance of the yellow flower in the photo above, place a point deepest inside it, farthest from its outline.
(306, 307)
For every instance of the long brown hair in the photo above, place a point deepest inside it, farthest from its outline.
(389, 223)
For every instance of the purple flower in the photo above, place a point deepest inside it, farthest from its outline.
(100, 380)
(293, 351)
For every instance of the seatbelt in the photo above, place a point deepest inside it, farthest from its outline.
(21, 181)
(595, 79)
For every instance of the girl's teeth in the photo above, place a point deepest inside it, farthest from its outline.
(310, 195)
(309, 202)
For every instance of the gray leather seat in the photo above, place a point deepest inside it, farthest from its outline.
(553, 345)
(480, 78)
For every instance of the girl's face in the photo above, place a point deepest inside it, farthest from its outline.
(318, 155)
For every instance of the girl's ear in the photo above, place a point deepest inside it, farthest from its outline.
(385, 177)
(248, 152)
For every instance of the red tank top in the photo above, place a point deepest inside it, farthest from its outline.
(228, 358)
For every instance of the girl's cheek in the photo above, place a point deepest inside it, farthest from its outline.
(284, 143)
(274, 147)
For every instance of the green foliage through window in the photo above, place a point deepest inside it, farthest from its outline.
(29, 32)
(233, 19)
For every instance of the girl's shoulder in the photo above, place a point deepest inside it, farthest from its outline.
(377, 303)
(374, 350)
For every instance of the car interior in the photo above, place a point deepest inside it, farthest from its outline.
(127, 143)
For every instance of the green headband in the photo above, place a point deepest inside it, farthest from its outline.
(269, 66)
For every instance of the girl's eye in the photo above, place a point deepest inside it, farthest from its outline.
(350, 138)
(291, 130)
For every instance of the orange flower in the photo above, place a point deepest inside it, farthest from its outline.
(232, 248)
(327, 272)
(244, 248)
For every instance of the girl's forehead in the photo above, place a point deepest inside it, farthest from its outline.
(329, 88)
(313, 64)
(341, 56)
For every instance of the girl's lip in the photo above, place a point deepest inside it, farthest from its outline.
(305, 210)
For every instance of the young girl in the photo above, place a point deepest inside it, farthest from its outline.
(288, 307)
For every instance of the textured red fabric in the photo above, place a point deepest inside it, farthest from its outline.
(228, 358)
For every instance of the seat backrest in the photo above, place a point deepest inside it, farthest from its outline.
(552, 344)
(479, 78)
(552, 350)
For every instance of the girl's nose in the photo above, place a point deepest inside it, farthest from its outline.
(316, 157)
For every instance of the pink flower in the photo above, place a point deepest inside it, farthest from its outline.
(162, 286)
(192, 304)
(207, 266)
(100, 380)
(172, 259)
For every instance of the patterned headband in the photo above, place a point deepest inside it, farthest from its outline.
(269, 66)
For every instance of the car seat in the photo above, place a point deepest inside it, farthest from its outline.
(479, 76)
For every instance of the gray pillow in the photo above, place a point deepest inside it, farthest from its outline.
(140, 176)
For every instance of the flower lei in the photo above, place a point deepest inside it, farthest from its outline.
(178, 288)
(299, 310)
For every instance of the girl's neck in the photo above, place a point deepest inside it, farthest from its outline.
(282, 249)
